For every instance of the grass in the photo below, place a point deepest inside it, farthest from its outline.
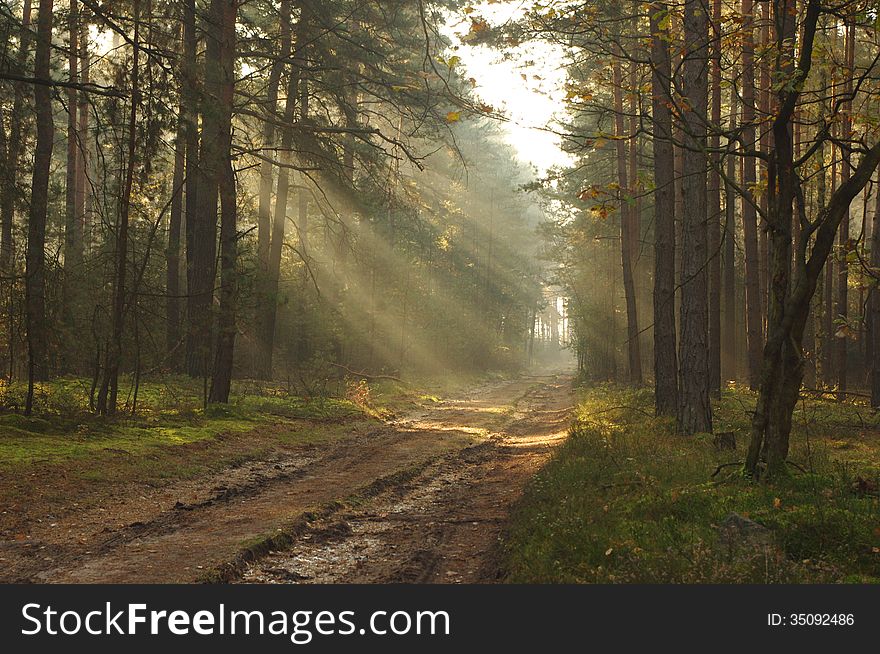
(64, 450)
(626, 500)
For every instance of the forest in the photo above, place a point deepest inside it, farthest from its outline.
(602, 276)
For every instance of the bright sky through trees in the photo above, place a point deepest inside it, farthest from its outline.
(526, 82)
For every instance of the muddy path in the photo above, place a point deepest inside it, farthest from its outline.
(444, 524)
(420, 499)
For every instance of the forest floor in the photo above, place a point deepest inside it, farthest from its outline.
(423, 497)
(625, 499)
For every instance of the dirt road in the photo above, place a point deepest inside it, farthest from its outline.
(420, 499)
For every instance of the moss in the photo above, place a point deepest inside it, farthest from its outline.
(169, 416)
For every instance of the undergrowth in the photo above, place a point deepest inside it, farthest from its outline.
(627, 500)
(167, 413)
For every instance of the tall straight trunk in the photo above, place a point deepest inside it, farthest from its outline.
(221, 85)
(830, 292)
(809, 341)
(199, 237)
(635, 217)
(303, 348)
(302, 222)
(874, 304)
(172, 253)
(730, 314)
(841, 308)
(754, 337)
(626, 247)
(210, 170)
(8, 186)
(109, 391)
(82, 180)
(695, 410)
(765, 143)
(183, 189)
(72, 221)
(826, 300)
(864, 244)
(633, 176)
(35, 259)
(282, 197)
(714, 209)
(265, 323)
(13, 145)
(665, 357)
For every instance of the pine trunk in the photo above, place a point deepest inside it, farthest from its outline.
(35, 259)
(221, 85)
(665, 357)
(695, 410)
(754, 336)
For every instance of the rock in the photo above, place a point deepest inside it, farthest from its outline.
(737, 531)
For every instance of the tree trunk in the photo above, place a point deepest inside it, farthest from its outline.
(874, 304)
(782, 366)
(35, 279)
(172, 253)
(221, 85)
(695, 410)
(841, 308)
(73, 252)
(13, 145)
(109, 391)
(8, 184)
(749, 213)
(626, 231)
(82, 178)
(201, 229)
(826, 358)
(765, 111)
(212, 156)
(282, 197)
(665, 357)
(714, 209)
(729, 306)
(265, 322)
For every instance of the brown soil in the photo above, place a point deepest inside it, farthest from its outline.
(421, 499)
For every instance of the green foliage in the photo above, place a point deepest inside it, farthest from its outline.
(626, 500)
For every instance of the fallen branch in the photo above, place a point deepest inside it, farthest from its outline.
(367, 376)
(821, 392)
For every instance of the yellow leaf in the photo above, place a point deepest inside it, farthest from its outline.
(777, 503)
(453, 117)
(478, 25)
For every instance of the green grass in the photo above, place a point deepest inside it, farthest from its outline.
(626, 500)
(168, 415)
